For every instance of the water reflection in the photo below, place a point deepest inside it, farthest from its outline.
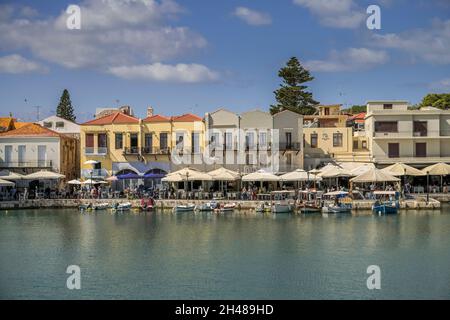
(165, 255)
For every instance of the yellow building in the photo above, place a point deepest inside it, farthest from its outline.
(121, 143)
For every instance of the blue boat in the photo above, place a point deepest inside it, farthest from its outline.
(388, 202)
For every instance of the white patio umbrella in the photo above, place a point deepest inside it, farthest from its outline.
(261, 175)
(223, 174)
(91, 162)
(9, 175)
(44, 175)
(336, 172)
(90, 181)
(189, 174)
(374, 175)
(296, 175)
(5, 183)
(75, 182)
(356, 171)
(401, 169)
(438, 169)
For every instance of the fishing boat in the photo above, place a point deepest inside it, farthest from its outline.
(123, 206)
(263, 207)
(100, 206)
(279, 207)
(85, 207)
(184, 207)
(206, 207)
(309, 201)
(337, 202)
(387, 202)
(283, 201)
(227, 207)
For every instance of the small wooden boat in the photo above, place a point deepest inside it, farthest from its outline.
(309, 208)
(123, 206)
(85, 207)
(228, 207)
(101, 206)
(338, 208)
(263, 207)
(387, 202)
(184, 207)
(337, 202)
(309, 201)
(207, 207)
(280, 207)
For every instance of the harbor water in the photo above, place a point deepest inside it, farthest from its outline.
(165, 255)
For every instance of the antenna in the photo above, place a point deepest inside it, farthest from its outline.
(38, 109)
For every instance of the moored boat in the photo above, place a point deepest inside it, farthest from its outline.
(101, 206)
(228, 207)
(263, 207)
(184, 207)
(280, 207)
(337, 202)
(387, 202)
(206, 207)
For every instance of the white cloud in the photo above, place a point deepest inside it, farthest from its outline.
(252, 17)
(113, 32)
(443, 84)
(335, 13)
(431, 45)
(16, 64)
(351, 59)
(182, 73)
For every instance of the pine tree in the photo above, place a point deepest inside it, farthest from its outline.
(292, 95)
(65, 108)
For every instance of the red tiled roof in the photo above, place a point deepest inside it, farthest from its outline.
(30, 130)
(359, 116)
(187, 117)
(156, 118)
(116, 118)
(6, 122)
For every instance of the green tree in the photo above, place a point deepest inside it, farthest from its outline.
(355, 109)
(436, 100)
(65, 108)
(292, 94)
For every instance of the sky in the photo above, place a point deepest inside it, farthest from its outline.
(200, 55)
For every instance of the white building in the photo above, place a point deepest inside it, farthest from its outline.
(61, 125)
(396, 134)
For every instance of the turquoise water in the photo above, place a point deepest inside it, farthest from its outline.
(233, 256)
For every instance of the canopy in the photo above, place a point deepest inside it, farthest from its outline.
(401, 169)
(44, 175)
(223, 174)
(296, 175)
(261, 175)
(9, 175)
(374, 175)
(91, 162)
(186, 174)
(314, 171)
(90, 181)
(4, 183)
(154, 175)
(438, 169)
(356, 171)
(112, 178)
(336, 193)
(74, 182)
(129, 176)
(335, 173)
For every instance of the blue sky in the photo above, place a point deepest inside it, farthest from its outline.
(199, 55)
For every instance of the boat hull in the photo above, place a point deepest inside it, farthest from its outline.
(282, 208)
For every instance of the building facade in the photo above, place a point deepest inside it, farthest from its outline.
(416, 137)
(32, 147)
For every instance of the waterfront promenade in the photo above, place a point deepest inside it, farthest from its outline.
(420, 202)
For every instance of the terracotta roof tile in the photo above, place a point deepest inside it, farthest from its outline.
(156, 118)
(6, 122)
(30, 130)
(187, 117)
(116, 118)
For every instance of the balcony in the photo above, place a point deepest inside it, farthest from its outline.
(27, 164)
(154, 150)
(410, 134)
(258, 147)
(293, 146)
(131, 151)
(91, 151)
(96, 173)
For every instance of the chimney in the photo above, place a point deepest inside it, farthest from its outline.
(149, 111)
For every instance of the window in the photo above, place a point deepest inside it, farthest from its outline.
(387, 106)
(195, 141)
(48, 124)
(250, 140)
(393, 150)
(421, 149)
(8, 154)
(288, 140)
(364, 145)
(89, 140)
(180, 140)
(337, 139)
(214, 141)
(59, 124)
(21, 156)
(386, 126)
(228, 140)
(102, 140)
(355, 144)
(327, 111)
(42, 155)
(420, 128)
(263, 140)
(163, 141)
(134, 142)
(118, 140)
(148, 142)
(313, 140)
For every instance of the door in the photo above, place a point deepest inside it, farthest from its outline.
(421, 149)
(288, 140)
(148, 143)
(163, 141)
(8, 156)
(195, 142)
(42, 156)
(21, 155)
(134, 143)
(393, 150)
